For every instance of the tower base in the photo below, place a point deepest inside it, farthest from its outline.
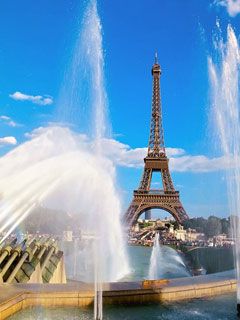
(144, 201)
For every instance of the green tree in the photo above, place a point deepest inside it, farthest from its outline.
(213, 227)
(225, 226)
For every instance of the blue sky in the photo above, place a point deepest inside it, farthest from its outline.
(36, 40)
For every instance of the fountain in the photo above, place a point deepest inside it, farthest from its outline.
(165, 262)
(155, 259)
(67, 170)
(224, 76)
(83, 100)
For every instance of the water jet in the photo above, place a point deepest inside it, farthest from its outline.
(224, 76)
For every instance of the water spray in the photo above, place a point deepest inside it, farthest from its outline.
(224, 76)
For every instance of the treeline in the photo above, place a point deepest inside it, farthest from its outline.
(212, 226)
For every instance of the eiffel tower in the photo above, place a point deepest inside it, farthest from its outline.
(144, 198)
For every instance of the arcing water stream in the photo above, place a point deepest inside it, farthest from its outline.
(224, 76)
(83, 99)
(64, 170)
(165, 262)
(155, 258)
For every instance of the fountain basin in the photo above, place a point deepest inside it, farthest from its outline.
(14, 298)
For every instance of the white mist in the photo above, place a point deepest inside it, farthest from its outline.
(225, 110)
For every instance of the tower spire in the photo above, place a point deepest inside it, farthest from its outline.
(156, 57)
(156, 146)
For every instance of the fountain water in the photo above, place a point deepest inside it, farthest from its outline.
(224, 76)
(165, 262)
(82, 99)
(155, 259)
(66, 170)
(64, 173)
(89, 89)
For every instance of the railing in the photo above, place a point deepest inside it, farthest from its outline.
(156, 192)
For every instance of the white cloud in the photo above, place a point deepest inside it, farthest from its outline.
(172, 152)
(5, 118)
(199, 163)
(40, 100)
(8, 141)
(232, 6)
(8, 121)
(123, 155)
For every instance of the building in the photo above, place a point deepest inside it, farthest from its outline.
(180, 234)
(192, 235)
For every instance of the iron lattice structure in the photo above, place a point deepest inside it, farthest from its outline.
(156, 160)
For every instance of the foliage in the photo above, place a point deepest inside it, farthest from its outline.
(145, 224)
(212, 226)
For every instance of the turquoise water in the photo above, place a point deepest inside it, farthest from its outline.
(170, 263)
(219, 308)
(139, 260)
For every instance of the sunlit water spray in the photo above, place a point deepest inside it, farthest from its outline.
(83, 87)
(165, 262)
(224, 76)
(155, 259)
(63, 173)
(60, 169)
(83, 100)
